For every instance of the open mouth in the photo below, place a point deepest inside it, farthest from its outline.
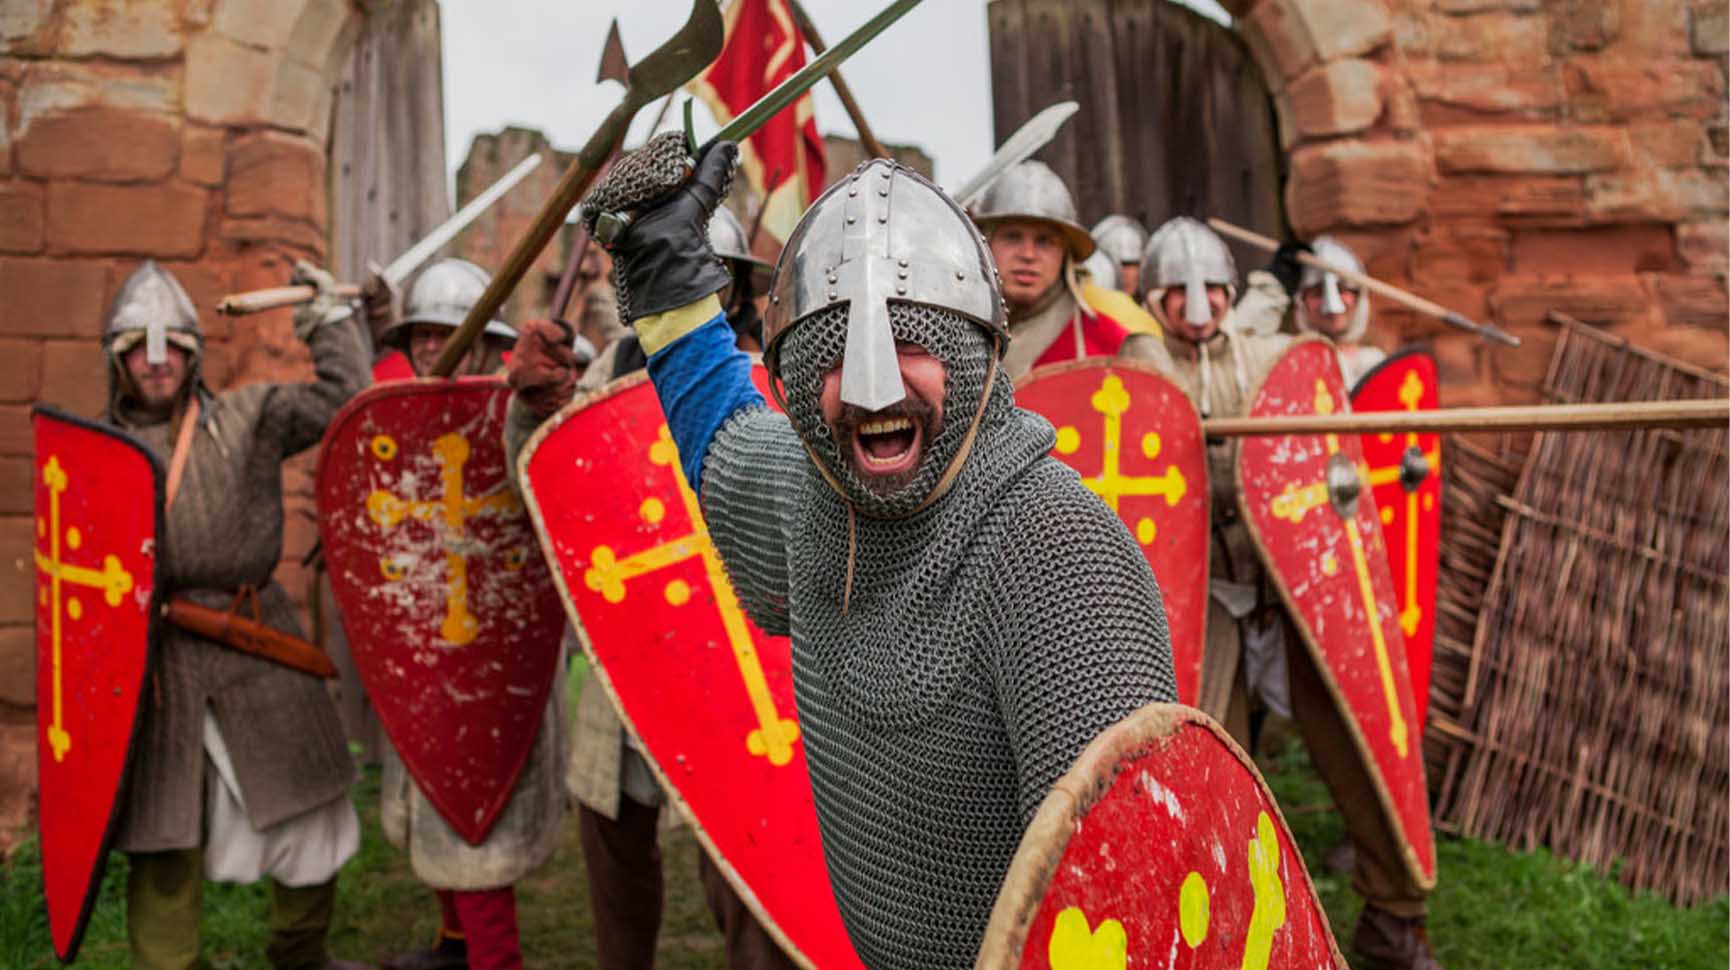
(886, 446)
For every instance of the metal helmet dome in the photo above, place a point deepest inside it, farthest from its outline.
(883, 233)
(1031, 191)
(1121, 237)
(1185, 253)
(442, 295)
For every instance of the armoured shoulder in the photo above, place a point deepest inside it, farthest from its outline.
(1049, 522)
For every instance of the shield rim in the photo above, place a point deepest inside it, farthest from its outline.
(345, 414)
(1072, 796)
(1421, 349)
(153, 634)
(1360, 744)
(1136, 366)
(531, 502)
(1424, 348)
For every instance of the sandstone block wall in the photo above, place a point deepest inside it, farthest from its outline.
(190, 131)
(1511, 157)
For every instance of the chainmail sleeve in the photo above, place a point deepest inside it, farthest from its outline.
(752, 478)
(1081, 636)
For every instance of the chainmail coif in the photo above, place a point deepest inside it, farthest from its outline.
(987, 639)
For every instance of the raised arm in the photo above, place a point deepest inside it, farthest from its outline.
(295, 415)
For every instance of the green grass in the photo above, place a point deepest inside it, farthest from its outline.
(1492, 908)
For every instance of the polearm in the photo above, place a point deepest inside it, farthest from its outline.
(703, 28)
(662, 72)
(1616, 416)
(400, 268)
(1411, 301)
(614, 66)
(842, 91)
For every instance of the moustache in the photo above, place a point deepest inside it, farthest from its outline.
(913, 409)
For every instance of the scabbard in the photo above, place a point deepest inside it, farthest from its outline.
(249, 636)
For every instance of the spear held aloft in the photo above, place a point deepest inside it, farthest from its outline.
(1409, 300)
(1617, 416)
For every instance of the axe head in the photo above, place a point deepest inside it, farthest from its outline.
(614, 66)
(681, 58)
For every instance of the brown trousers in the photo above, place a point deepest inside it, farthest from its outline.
(1379, 875)
(623, 858)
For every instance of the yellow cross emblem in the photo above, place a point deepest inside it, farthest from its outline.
(1111, 401)
(450, 513)
(608, 574)
(1293, 504)
(1411, 395)
(112, 579)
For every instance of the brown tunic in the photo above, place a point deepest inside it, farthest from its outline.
(225, 530)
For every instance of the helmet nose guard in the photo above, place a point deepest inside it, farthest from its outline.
(884, 233)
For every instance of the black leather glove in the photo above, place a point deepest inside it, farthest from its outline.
(662, 259)
(1285, 266)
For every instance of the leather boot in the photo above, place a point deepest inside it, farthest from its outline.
(1384, 941)
(447, 954)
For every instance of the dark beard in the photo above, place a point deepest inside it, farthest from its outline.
(923, 416)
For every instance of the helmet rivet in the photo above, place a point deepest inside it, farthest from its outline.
(884, 192)
(833, 295)
(852, 219)
(901, 263)
(901, 290)
(959, 275)
(883, 218)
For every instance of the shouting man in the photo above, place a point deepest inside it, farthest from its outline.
(965, 615)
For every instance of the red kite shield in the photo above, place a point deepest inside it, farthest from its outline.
(1161, 847)
(98, 514)
(708, 695)
(1136, 442)
(451, 615)
(1406, 476)
(1317, 529)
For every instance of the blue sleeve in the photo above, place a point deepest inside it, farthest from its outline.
(702, 379)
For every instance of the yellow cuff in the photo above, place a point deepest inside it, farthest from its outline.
(657, 331)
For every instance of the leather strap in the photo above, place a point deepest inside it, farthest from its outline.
(182, 448)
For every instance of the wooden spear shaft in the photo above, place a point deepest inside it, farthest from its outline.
(866, 137)
(1619, 416)
(1394, 293)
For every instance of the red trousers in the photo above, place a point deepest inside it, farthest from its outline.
(486, 919)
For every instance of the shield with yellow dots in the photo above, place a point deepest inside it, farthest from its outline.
(1316, 526)
(1135, 439)
(449, 608)
(98, 514)
(708, 696)
(1161, 847)
(1405, 472)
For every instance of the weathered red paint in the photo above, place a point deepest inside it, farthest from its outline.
(1410, 507)
(449, 607)
(1331, 568)
(98, 515)
(1136, 441)
(1160, 848)
(708, 695)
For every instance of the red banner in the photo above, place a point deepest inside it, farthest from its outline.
(450, 610)
(1405, 471)
(1135, 440)
(783, 160)
(1160, 848)
(707, 694)
(98, 516)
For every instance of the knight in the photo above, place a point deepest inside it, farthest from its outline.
(1252, 653)
(241, 771)
(1337, 309)
(1121, 239)
(965, 616)
(1038, 245)
(474, 884)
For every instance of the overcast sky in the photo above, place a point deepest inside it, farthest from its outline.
(925, 81)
